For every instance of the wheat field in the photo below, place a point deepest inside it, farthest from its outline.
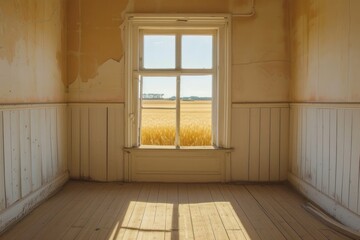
(158, 125)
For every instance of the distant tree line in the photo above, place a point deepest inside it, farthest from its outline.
(160, 96)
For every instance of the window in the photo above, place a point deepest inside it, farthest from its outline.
(176, 105)
(177, 81)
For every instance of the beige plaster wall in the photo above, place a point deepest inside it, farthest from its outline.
(32, 47)
(325, 50)
(260, 53)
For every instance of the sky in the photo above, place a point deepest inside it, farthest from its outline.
(200, 86)
(159, 53)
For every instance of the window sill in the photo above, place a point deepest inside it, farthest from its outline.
(173, 148)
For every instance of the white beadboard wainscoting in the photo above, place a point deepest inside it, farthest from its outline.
(32, 157)
(325, 153)
(96, 141)
(260, 136)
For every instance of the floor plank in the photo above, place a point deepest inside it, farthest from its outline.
(262, 224)
(292, 203)
(39, 218)
(186, 230)
(264, 197)
(109, 211)
(201, 223)
(271, 212)
(232, 224)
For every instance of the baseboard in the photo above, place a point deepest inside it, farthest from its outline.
(342, 214)
(24, 206)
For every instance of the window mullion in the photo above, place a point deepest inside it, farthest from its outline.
(178, 51)
(168, 73)
(178, 67)
(140, 108)
(177, 137)
(141, 51)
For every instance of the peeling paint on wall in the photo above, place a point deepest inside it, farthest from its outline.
(109, 80)
(95, 37)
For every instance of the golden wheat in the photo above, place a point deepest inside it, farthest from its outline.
(190, 135)
(158, 126)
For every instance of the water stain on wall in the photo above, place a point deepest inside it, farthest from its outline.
(10, 29)
(32, 47)
(325, 50)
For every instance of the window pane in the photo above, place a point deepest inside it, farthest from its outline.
(159, 92)
(196, 111)
(159, 51)
(197, 51)
(158, 124)
(158, 127)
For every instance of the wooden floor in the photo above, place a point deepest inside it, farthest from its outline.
(171, 211)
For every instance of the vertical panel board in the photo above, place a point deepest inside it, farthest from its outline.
(304, 139)
(313, 145)
(264, 163)
(53, 142)
(300, 138)
(7, 158)
(15, 157)
(42, 129)
(326, 152)
(347, 158)
(309, 135)
(61, 139)
(333, 152)
(355, 157)
(275, 145)
(75, 143)
(319, 150)
(45, 133)
(65, 127)
(69, 139)
(25, 152)
(2, 170)
(254, 144)
(240, 140)
(49, 162)
(98, 143)
(84, 142)
(115, 143)
(291, 140)
(339, 153)
(284, 143)
(36, 168)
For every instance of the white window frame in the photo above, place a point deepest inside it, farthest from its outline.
(217, 24)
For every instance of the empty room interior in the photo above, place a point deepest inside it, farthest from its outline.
(169, 119)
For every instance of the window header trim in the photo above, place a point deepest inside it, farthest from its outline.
(213, 17)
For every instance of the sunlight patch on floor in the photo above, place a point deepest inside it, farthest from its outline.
(151, 220)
